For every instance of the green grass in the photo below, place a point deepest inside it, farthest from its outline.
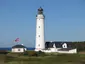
(49, 59)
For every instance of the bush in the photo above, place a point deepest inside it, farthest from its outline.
(32, 53)
(3, 51)
(26, 53)
(40, 53)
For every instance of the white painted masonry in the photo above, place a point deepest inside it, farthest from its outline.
(40, 43)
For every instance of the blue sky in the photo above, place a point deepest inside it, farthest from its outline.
(64, 20)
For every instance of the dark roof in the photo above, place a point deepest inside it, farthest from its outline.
(40, 9)
(58, 44)
(18, 46)
(48, 45)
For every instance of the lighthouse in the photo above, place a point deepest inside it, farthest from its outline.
(40, 43)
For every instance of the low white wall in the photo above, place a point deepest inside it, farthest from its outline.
(73, 51)
(17, 50)
(56, 50)
(70, 51)
(51, 50)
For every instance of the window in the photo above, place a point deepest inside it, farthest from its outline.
(39, 35)
(18, 49)
(39, 26)
(38, 44)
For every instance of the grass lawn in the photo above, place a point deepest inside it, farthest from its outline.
(52, 59)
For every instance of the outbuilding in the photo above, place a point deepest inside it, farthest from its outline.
(60, 47)
(18, 48)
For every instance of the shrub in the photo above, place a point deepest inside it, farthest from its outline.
(26, 53)
(32, 53)
(3, 51)
(40, 53)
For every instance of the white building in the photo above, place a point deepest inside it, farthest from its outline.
(18, 48)
(40, 43)
(61, 48)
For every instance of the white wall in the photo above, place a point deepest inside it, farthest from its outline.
(51, 50)
(40, 43)
(56, 50)
(70, 51)
(64, 45)
(17, 49)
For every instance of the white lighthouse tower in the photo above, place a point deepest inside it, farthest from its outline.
(40, 43)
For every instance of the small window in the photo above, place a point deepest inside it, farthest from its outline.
(18, 49)
(39, 35)
(39, 26)
(38, 44)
